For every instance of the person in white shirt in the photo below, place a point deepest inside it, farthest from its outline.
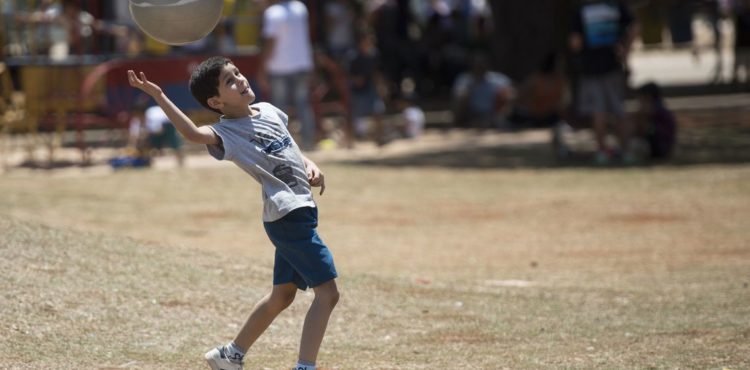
(480, 97)
(151, 131)
(287, 63)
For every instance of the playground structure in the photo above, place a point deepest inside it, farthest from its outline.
(85, 93)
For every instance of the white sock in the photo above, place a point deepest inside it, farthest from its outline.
(303, 366)
(234, 353)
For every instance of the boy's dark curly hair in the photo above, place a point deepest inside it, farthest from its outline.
(204, 81)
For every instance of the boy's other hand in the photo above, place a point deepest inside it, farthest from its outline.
(315, 177)
(144, 84)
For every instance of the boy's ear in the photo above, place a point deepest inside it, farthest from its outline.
(214, 102)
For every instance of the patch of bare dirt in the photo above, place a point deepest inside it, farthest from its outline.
(645, 218)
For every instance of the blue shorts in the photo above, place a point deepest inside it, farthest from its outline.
(301, 256)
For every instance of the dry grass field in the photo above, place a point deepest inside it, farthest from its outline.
(491, 264)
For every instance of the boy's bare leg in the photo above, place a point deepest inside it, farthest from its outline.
(263, 314)
(316, 321)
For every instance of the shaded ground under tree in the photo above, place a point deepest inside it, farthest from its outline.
(706, 136)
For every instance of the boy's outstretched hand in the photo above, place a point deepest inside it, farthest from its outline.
(144, 84)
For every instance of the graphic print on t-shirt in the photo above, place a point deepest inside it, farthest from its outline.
(601, 24)
(285, 173)
(262, 146)
(272, 141)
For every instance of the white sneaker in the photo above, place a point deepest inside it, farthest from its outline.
(218, 360)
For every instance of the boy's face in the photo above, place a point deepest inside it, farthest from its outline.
(234, 90)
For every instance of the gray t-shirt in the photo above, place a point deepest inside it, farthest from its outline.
(263, 147)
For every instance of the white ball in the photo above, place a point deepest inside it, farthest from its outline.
(176, 22)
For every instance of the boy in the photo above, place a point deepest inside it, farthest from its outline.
(256, 139)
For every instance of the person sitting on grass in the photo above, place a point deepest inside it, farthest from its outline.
(656, 124)
(150, 131)
(256, 138)
(481, 97)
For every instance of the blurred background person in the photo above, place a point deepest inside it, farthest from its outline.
(601, 37)
(481, 97)
(162, 134)
(287, 62)
(443, 46)
(391, 21)
(339, 28)
(81, 25)
(656, 124)
(64, 28)
(542, 101)
(150, 132)
(364, 84)
(741, 41)
(542, 97)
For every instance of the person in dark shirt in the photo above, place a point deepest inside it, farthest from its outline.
(363, 66)
(741, 40)
(602, 32)
(657, 124)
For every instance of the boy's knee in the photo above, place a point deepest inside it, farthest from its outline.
(281, 300)
(329, 295)
(334, 297)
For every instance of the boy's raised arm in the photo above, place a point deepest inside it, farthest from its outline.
(183, 124)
